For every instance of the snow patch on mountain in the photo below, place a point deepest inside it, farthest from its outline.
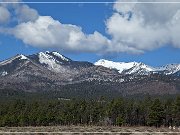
(128, 68)
(50, 61)
(60, 56)
(120, 66)
(140, 68)
(20, 57)
(170, 69)
(4, 73)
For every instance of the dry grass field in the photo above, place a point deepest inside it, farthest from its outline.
(105, 130)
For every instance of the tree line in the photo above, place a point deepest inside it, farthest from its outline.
(118, 112)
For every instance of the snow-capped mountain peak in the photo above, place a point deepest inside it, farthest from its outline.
(52, 60)
(22, 57)
(126, 67)
(60, 56)
(170, 68)
(120, 66)
(54, 55)
(17, 57)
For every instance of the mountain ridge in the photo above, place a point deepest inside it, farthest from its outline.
(120, 66)
(133, 67)
(51, 71)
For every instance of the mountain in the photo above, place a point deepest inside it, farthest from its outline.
(126, 68)
(48, 70)
(170, 69)
(139, 68)
(53, 72)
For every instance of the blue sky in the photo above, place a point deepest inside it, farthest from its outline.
(94, 17)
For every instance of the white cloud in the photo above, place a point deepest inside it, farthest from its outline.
(133, 28)
(143, 27)
(4, 15)
(47, 32)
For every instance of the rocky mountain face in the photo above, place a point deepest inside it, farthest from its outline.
(51, 71)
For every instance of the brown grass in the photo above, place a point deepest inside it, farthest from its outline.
(89, 130)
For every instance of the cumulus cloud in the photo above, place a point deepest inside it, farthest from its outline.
(133, 28)
(142, 27)
(47, 32)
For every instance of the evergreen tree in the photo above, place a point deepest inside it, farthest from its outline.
(177, 111)
(156, 114)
